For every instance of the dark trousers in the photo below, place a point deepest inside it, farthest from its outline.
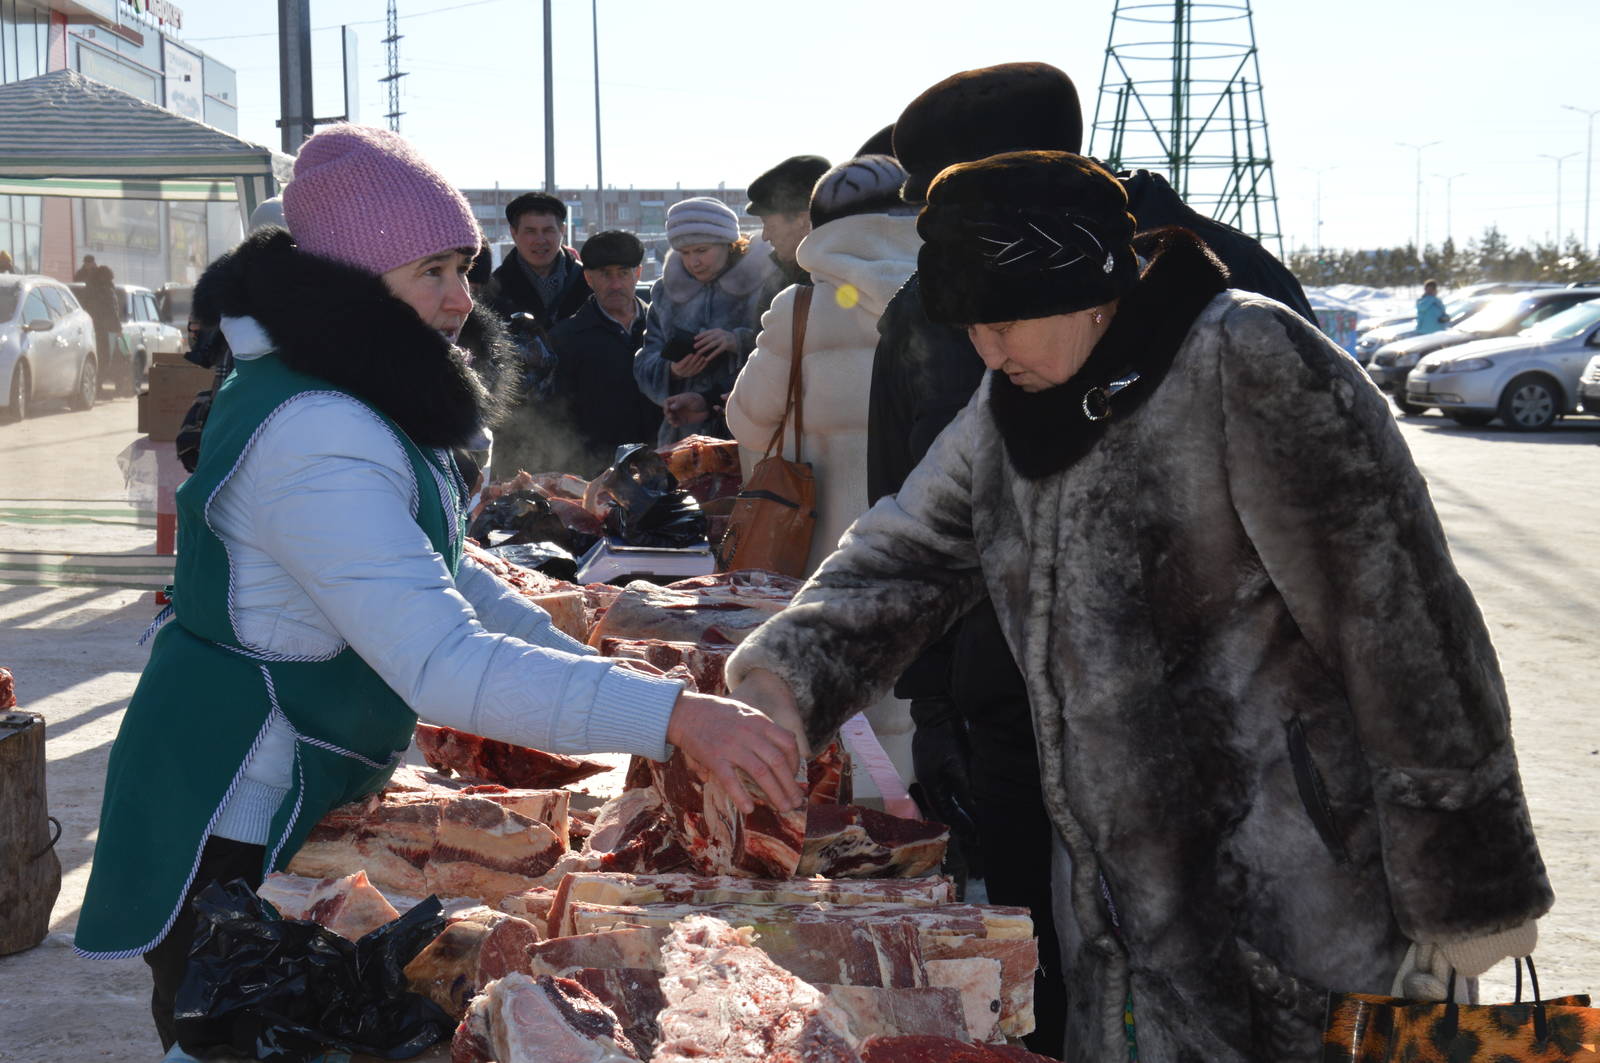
(222, 861)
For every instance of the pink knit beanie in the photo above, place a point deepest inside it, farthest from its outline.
(364, 197)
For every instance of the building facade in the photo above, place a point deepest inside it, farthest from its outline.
(130, 45)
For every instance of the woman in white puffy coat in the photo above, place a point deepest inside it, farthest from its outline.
(862, 247)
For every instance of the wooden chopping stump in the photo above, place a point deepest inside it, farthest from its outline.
(30, 873)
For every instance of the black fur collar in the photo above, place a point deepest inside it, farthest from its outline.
(1046, 431)
(342, 325)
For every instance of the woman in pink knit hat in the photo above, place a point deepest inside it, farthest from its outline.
(321, 599)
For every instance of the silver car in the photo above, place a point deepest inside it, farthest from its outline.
(1528, 381)
(1503, 315)
(46, 345)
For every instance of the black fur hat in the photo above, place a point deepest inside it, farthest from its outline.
(614, 247)
(786, 188)
(879, 143)
(983, 112)
(1023, 235)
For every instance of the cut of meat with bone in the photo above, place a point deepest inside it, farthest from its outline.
(828, 777)
(923, 1049)
(518, 1019)
(719, 839)
(607, 887)
(632, 832)
(629, 946)
(464, 847)
(706, 467)
(727, 1002)
(1018, 960)
(469, 954)
(349, 906)
(550, 807)
(977, 980)
(878, 1012)
(704, 663)
(706, 610)
(848, 841)
(501, 762)
(634, 995)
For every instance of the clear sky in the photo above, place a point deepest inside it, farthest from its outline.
(697, 92)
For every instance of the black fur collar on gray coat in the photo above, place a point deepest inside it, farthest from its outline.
(1046, 431)
(342, 325)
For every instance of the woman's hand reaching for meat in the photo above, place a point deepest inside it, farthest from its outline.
(729, 741)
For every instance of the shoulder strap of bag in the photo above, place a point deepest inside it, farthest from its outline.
(795, 404)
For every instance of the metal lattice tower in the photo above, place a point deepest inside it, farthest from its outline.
(391, 44)
(1180, 92)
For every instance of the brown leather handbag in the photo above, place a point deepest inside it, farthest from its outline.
(775, 513)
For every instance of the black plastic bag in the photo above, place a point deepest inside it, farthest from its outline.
(549, 558)
(526, 515)
(287, 990)
(650, 509)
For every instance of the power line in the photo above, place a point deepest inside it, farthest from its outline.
(361, 22)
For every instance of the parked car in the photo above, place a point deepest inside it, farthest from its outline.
(1503, 315)
(1457, 309)
(1589, 387)
(1528, 381)
(173, 302)
(46, 345)
(144, 335)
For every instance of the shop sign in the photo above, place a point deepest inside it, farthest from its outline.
(163, 11)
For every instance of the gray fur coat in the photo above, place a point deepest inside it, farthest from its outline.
(1273, 734)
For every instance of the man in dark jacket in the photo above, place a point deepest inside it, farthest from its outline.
(781, 198)
(974, 746)
(542, 277)
(594, 353)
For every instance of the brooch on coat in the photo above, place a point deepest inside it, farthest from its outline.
(1097, 400)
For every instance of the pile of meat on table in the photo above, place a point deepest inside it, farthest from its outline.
(598, 912)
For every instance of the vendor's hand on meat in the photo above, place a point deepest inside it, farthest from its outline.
(726, 740)
(690, 365)
(769, 693)
(687, 408)
(713, 342)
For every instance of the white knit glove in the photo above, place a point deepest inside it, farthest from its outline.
(1425, 972)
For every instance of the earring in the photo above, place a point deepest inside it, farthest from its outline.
(1099, 318)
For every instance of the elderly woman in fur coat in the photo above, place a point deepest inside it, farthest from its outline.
(1274, 741)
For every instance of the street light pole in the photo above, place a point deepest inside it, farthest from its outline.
(599, 173)
(1449, 180)
(549, 107)
(1559, 159)
(1317, 204)
(1588, 169)
(1418, 148)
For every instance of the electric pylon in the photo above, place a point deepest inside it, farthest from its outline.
(1180, 92)
(391, 44)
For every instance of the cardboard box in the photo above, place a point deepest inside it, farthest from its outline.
(172, 391)
(169, 358)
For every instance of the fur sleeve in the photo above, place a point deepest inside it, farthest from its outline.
(1326, 490)
(903, 573)
(762, 389)
(651, 373)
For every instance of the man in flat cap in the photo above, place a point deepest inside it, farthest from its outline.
(781, 198)
(594, 351)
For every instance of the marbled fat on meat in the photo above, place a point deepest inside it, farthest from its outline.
(551, 1020)
(634, 995)
(349, 906)
(718, 838)
(848, 841)
(878, 1012)
(727, 1002)
(469, 954)
(501, 762)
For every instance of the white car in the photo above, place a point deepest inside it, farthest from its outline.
(1528, 380)
(46, 345)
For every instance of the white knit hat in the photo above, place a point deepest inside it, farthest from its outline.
(701, 220)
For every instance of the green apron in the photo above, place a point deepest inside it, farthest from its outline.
(204, 702)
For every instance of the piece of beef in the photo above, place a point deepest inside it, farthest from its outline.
(718, 838)
(8, 690)
(828, 777)
(634, 995)
(545, 1020)
(611, 887)
(924, 1049)
(848, 841)
(349, 906)
(469, 954)
(628, 946)
(728, 1002)
(1018, 959)
(706, 467)
(634, 833)
(717, 610)
(500, 762)
(460, 846)
(977, 980)
(705, 664)
(878, 1012)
